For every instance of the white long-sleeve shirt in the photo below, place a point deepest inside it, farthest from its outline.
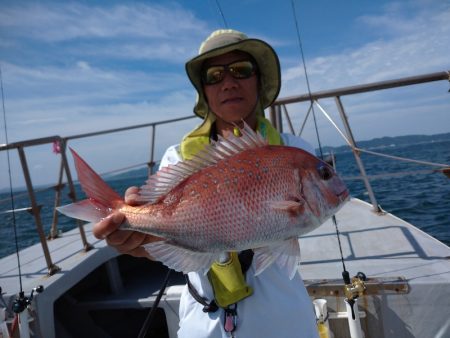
(279, 307)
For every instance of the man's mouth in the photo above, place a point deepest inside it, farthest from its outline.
(232, 100)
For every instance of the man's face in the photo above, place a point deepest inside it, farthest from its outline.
(232, 99)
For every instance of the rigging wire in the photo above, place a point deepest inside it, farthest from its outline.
(10, 182)
(297, 27)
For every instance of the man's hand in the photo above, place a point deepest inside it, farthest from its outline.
(125, 241)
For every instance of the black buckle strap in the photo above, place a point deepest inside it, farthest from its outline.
(207, 307)
(246, 258)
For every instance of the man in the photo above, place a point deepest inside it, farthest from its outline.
(235, 78)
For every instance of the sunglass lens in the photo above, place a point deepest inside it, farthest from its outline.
(214, 74)
(238, 69)
(241, 69)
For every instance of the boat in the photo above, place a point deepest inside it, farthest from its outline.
(396, 278)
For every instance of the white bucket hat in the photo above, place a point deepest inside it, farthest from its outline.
(226, 40)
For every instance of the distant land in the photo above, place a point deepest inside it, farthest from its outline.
(376, 143)
(387, 141)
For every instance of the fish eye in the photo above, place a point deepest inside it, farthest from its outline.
(324, 171)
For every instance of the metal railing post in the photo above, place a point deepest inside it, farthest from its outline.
(151, 164)
(86, 245)
(359, 162)
(51, 268)
(272, 115)
(276, 118)
(288, 119)
(279, 119)
(54, 229)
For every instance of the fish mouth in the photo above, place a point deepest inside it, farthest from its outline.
(343, 195)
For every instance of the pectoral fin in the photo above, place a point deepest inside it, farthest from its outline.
(286, 254)
(294, 208)
(180, 259)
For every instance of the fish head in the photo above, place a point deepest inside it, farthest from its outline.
(321, 188)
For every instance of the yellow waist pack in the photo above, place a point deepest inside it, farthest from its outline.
(228, 281)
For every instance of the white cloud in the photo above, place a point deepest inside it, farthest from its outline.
(416, 45)
(135, 31)
(83, 65)
(64, 76)
(57, 21)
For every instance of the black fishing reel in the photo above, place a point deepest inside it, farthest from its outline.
(22, 302)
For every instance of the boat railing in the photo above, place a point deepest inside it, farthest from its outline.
(280, 107)
(60, 144)
(276, 117)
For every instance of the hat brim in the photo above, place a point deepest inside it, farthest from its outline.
(265, 57)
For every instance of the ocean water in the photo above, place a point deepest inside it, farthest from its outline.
(421, 198)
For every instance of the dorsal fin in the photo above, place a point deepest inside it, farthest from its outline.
(169, 177)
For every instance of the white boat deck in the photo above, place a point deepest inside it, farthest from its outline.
(378, 245)
(66, 252)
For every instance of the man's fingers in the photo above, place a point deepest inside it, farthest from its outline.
(131, 196)
(108, 225)
(126, 241)
(120, 239)
(140, 251)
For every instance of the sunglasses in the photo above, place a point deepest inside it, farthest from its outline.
(237, 69)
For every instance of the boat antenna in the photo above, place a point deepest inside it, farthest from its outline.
(10, 181)
(300, 44)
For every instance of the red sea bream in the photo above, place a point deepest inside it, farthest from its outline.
(236, 194)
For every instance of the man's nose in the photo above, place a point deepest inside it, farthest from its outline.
(229, 81)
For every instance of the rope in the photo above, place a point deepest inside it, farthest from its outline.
(433, 164)
(333, 123)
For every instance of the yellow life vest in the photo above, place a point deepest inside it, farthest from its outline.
(196, 140)
(227, 279)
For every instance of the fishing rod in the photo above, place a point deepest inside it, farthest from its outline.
(151, 315)
(221, 14)
(353, 288)
(22, 302)
(300, 44)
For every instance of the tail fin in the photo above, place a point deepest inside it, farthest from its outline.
(102, 199)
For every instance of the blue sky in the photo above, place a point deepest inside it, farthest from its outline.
(75, 67)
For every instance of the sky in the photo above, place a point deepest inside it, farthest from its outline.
(76, 67)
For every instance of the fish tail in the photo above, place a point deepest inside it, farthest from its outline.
(102, 199)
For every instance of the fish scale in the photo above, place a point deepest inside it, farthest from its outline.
(238, 193)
